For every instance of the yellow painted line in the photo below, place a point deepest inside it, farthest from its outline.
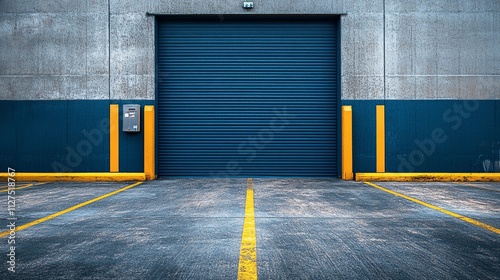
(247, 267)
(76, 177)
(347, 162)
(477, 187)
(429, 177)
(5, 187)
(442, 210)
(24, 187)
(149, 142)
(114, 143)
(67, 210)
(380, 142)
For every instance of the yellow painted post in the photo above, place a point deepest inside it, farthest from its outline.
(347, 162)
(114, 151)
(149, 142)
(380, 145)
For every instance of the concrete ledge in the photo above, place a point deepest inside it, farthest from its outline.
(75, 177)
(429, 177)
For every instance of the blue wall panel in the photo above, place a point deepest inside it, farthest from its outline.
(428, 135)
(441, 135)
(49, 136)
(88, 134)
(8, 134)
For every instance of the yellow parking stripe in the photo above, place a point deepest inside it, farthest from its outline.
(17, 186)
(477, 187)
(247, 267)
(23, 187)
(67, 210)
(453, 214)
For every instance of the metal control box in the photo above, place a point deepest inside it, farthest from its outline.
(131, 118)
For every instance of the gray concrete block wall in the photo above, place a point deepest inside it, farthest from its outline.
(98, 49)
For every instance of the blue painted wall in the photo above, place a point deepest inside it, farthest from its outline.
(428, 135)
(421, 136)
(441, 136)
(64, 136)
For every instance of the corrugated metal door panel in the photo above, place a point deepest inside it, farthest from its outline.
(247, 99)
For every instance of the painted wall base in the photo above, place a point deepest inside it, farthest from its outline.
(428, 177)
(75, 177)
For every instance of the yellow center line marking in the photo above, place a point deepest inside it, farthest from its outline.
(442, 210)
(67, 210)
(476, 186)
(23, 187)
(247, 267)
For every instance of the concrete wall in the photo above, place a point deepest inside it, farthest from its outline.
(392, 49)
(442, 49)
(54, 50)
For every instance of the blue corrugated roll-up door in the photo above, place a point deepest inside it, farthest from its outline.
(241, 99)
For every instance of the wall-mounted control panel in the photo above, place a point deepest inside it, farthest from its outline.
(131, 118)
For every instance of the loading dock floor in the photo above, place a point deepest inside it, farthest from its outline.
(305, 229)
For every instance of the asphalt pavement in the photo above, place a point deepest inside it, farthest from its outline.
(305, 229)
